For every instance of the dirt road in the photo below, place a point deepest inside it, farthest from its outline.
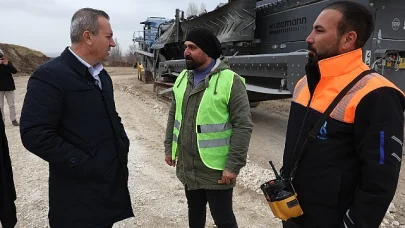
(157, 196)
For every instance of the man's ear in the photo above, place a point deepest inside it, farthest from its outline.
(348, 41)
(87, 37)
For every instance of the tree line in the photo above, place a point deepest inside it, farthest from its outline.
(118, 58)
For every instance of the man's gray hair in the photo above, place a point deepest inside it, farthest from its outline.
(85, 19)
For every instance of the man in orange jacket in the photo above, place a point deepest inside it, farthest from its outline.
(349, 174)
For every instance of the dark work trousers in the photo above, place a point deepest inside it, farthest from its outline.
(220, 202)
(8, 217)
(290, 224)
(109, 226)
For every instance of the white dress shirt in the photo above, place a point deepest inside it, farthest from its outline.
(94, 70)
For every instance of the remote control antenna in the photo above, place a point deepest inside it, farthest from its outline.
(278, 177)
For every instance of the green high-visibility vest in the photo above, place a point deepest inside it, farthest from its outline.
(213, 128)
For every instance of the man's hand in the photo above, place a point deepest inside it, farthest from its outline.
(227, 177)
(4, 61)
(169, 161)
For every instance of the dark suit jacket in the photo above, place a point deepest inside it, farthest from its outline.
(68, 121)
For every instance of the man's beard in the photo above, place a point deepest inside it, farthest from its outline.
(312, 69)
(314, 57)
(191, 64)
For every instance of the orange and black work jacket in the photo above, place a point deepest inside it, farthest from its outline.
(349, 174)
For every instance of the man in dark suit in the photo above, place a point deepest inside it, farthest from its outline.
(69, 120)
(8, 217)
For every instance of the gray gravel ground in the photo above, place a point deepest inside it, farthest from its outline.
(157, 196)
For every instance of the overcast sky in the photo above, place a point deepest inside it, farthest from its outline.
(44, 25)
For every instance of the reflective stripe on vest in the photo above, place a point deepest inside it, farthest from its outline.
(179, 89)
(177, 127)
(346, 108)
(213, 128)
(214, 142)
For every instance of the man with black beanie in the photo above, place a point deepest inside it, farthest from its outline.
(208, 130)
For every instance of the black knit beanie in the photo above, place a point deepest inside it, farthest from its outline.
(205, 40)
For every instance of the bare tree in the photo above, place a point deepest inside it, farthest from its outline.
(130, 55)
(192, 9)
(203, 9)
(115, 53)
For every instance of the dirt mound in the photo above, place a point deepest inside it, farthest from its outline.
(24, 59)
